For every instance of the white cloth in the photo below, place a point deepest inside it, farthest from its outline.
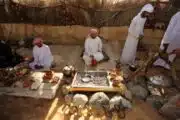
(171, 37)
(42, 56)
(93, 47)
(135, 30)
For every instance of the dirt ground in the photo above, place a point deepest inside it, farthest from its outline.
(19, 108)
(14, 108)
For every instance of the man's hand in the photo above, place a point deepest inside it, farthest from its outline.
(38, 67)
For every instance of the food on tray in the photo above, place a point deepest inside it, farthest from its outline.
(27, 83)
(117, 80)
(55, 79)
(18, 84)
(48, 75)
(116, 83)
(22, 71)
(115, 75)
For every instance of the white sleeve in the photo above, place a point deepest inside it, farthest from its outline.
(86, 47)
(100, 45)
(49, 58)
(35, 56)
(169, 32)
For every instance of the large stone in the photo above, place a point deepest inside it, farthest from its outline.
(160, 80)
(128, 94)
(172, 108)
(130, 85)
(156, 101)
(119, 101)
(99, 100)
(155, 90)
(80, 100)
(140, 80)
(139, 92)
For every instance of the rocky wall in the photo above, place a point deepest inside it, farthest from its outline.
(73, 34)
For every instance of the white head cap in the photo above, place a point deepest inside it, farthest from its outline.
(160, 1)
(163, 0)
(148, 8)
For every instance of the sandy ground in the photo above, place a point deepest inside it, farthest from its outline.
(18, 108)
(14, 108)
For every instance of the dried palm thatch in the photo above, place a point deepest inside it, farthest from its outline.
(71, 12)
(97, 4)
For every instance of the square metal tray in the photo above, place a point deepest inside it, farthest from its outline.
(99, 79)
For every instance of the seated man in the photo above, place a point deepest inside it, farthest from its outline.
(93, 48)
(42, 57)
(7, 58)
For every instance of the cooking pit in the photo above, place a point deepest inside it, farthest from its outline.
(93, 81)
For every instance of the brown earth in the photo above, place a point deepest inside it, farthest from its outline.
(19, 108)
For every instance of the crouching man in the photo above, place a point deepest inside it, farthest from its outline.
(42, 57)
(93, 49)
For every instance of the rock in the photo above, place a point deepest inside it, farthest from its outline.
(177, 83)
(170, 92)
(118, 101)
(140, 80)
(68, 98)
(156, 101)
(172, 108)
(139, 91)
(80, 100)
(128, 94)
(130, 85)
(160, 80)
(99, 100)
(156, 90)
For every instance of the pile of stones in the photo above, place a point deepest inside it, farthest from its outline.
(98, 103)
(159, 91)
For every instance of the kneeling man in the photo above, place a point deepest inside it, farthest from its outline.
(42, 57)
(93, 48)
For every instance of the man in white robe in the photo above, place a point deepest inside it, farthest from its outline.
(42, 57)
(170, 41)
(93, 48)
(135, 33)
